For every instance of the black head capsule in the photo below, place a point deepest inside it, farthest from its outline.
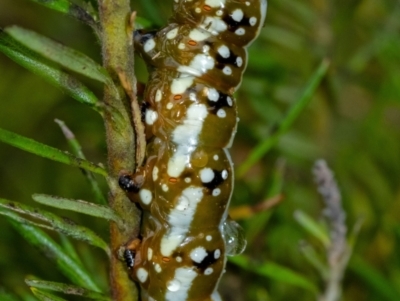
(129, 257)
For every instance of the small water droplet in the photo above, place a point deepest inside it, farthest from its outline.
(235, 240)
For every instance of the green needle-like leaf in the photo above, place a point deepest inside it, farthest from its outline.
(274, 271)
(48, 152)
(75, 272)
(58, 224)
(48, 71)
(312, 227)
(60, 54)
(68, 8)
(69, 248)
(263, 147)
(45, 296)
(65, 288)
(78, 206)
(77, 151)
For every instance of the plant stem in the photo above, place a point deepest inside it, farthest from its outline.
(118, 60)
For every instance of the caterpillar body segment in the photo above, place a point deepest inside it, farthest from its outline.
(196, 63)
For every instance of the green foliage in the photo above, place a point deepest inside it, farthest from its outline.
(49, 152)
(66, 289)
(349, 114)
(48, 71)
(54, 222)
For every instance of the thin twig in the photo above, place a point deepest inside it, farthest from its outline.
(118, 60)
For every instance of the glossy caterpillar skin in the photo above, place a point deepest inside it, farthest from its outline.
(196, 63)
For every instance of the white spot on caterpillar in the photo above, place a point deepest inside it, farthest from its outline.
(217, 253)
(206, 48)
(247, 3)
(206, 175)
(158, 95)
(149, 254)
(183, 203)
(198, 254)
(192, 96)
(227, 70)
(221, 113)
(213, 94)
(229, 101)
(216, 192)
(165, 187)
(173, 285)
(180, 220)
(181, 46)
(215, 3)
(224, 51)
(184, 276)
(158, 268)
(188, 180)
(186, 137)
(208, 271)
(214, 25)
(181, 84)
(199, 35)
(239, 61)
(149, 45)
(142, 275)
(151, 116)
(224, 174)
(237, 15)
(219, 13)
(198, 10)
(240, 31)
(145, 196)
(253, 21)
(199, 65)
(172, 34)
(208, 237)
(216, 157)
(178, 259)
(155, 173)
(169, 105)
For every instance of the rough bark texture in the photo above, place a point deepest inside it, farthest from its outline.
(118, 60)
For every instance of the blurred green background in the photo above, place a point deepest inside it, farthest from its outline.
(353, 121)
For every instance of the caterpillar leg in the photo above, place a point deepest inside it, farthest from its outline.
(133, 183)
(130, 252)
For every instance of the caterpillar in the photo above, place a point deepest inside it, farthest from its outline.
(196, 63)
